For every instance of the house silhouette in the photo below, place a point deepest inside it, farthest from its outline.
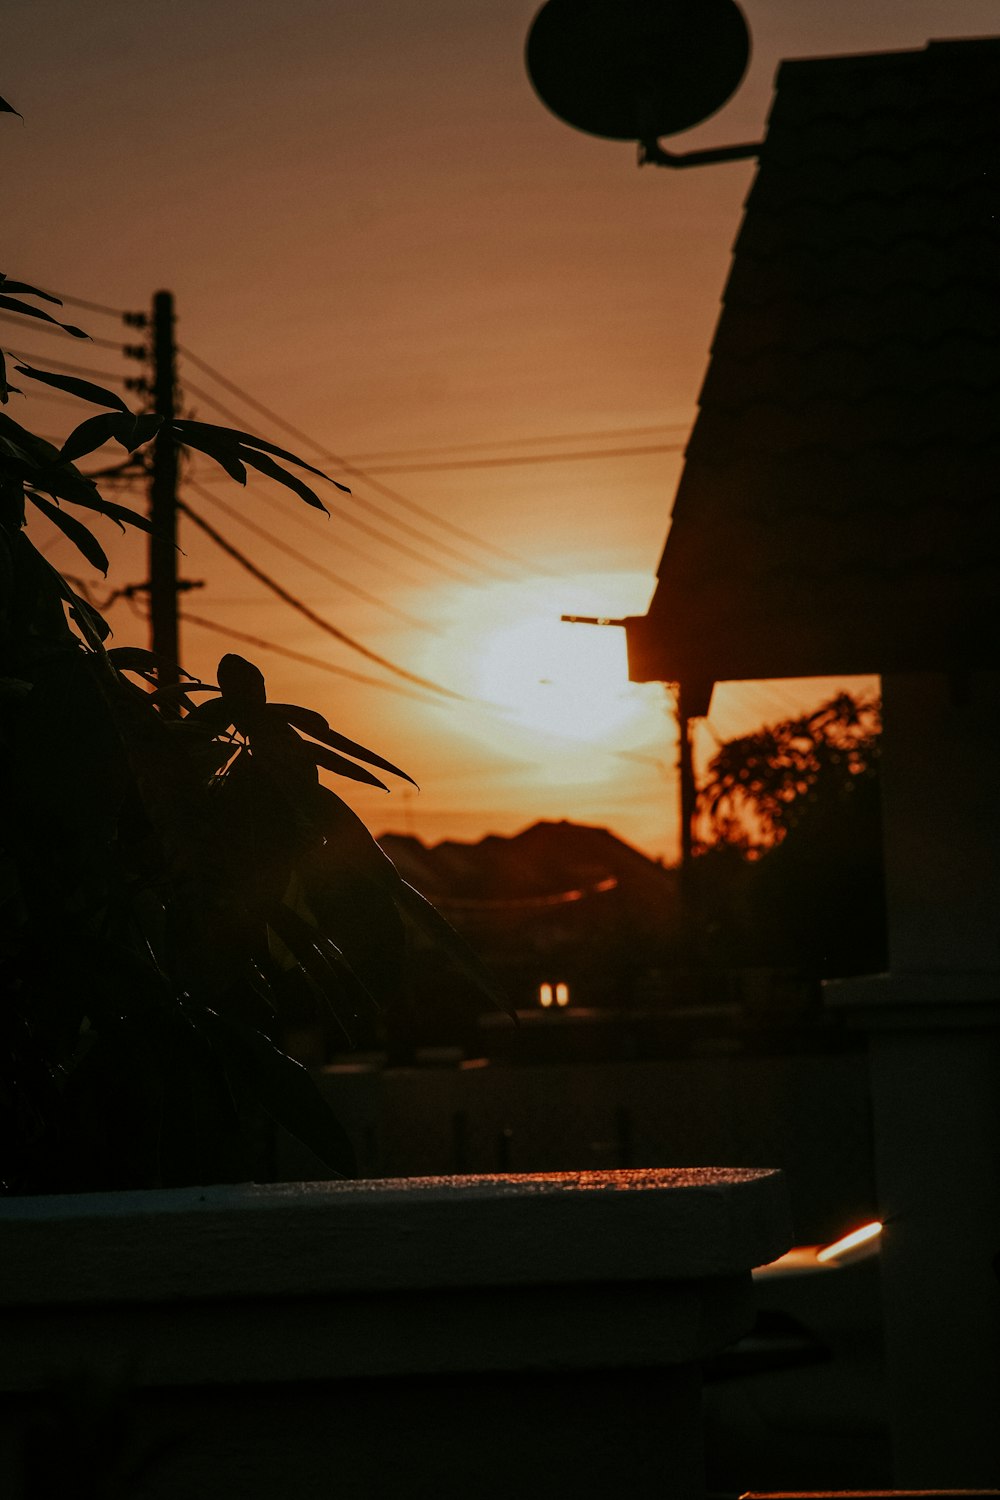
(839, 513)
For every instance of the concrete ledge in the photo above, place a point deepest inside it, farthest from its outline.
(537, 1335)
(296, 1239)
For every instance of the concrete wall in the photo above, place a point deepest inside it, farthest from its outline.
(808, 1115)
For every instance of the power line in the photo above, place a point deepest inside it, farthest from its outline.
(301, 656)
(309, 614)
(232, 416)
(353, 470)
(40, 327)
(535, 458)
(595, 435)
(390, 541)
(65, 366)
(98, 307)
(309, 562)
(308, 523)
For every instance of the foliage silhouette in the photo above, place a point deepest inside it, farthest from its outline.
(177, 887)
(790, 855)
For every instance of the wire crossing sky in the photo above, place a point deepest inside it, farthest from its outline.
(379, 240)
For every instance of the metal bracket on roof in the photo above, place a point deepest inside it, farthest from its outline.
(651, 153)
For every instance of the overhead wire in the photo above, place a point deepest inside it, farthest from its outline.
(596, 435)
(506, 461)
(383, 515)
(390, 541)
(303, 609)
(38, 325)
(64, 366)
(301, 557)
(352, 469)
(304, 657)
(97, 307)
(308, 523)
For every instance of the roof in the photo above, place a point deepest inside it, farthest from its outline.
(838, 511)
(539, 865)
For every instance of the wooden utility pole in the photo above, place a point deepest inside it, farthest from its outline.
(685, 770)
(163, 496)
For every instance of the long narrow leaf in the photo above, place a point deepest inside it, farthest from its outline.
(85, 389)
(331, 761)
(314, 724)
(430, 921)
(82, 539)
(247, 440)
(8, 109)
(115, 512)
(217, 442)
(94, 626)
(13, 305)
(6, 285)
(261, 1075)
(48, 471)
(320, 957)
(290, 481)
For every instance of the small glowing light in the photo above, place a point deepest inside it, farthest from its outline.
(545, 995)
(562, 994)
(852, 1241)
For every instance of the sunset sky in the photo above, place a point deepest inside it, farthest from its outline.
(374, 228)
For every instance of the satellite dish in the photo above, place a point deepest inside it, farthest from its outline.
(634, 70)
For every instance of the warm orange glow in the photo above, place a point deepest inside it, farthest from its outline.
(853, 1241)
(566, 680)
(545, 995)
(562, 994)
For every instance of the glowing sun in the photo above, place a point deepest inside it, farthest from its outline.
(569, 680)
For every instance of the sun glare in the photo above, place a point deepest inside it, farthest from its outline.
(568, 680)
(541, 690)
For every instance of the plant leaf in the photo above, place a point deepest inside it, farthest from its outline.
(114, 511)
(217, 442)
(322, 960)
(331, 761)
(215, 714)
(261, 1074)
(83, 539)
(94, 627)
(92, 433)
(290, 481)
(314, 724)
(12, 305)
(242, 683)
(8, 109)
(430, 921)
(247, 440)
(134, 429)
(6, 285)
(85, 389)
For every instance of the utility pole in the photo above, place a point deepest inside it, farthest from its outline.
(685, 772)
(163, 582)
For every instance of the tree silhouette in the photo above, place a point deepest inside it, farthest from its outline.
(789, 860)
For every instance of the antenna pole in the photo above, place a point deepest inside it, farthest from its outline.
(163, 496)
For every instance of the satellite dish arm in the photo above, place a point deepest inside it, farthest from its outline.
(651, 153)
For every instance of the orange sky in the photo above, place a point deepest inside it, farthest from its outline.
(372, 225)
